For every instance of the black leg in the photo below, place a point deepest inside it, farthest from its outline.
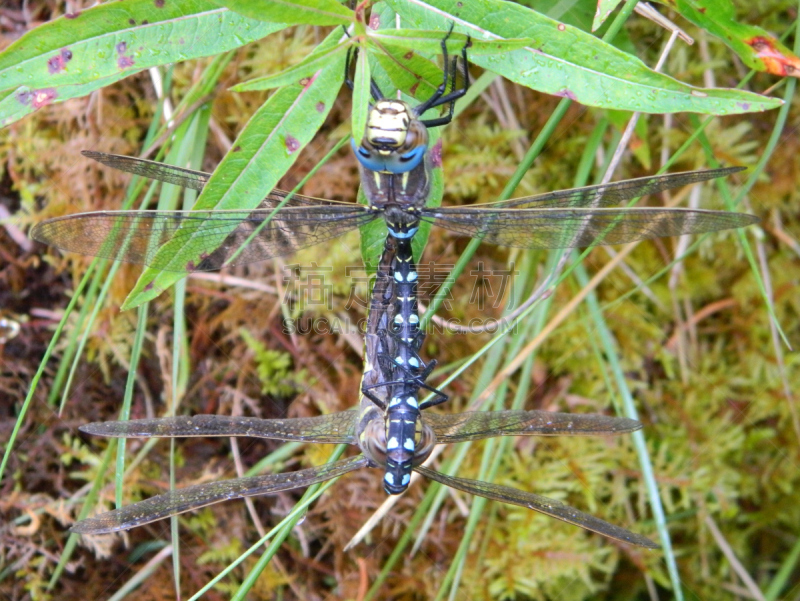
(375, 91)
(365, 390)
(419, 379)
(433, 101)
(348, 65)
(437, 400)
(454, 94)
(450, 76)
(350, 58)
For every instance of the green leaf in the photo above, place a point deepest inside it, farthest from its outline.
(758, 49)
(361, 96)
(570, 63)
(295, 12)
(114, 40)
(265, 149)
(305, 68)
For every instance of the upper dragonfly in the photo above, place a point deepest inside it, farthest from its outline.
(395, 167)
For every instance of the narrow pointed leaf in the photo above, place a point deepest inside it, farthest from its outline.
(15, 104)
(604, 8)
(431, 42)
(361, 96)
(568, 62)
(117, 39)
(411, 73)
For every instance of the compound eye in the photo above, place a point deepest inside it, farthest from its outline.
(413, 157)
(426, 440)
(375, 442)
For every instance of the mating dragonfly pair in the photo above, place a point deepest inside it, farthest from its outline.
(388, 427)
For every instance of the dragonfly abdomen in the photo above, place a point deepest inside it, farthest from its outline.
(403, 410)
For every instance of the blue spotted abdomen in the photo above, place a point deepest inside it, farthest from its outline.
(402, 431)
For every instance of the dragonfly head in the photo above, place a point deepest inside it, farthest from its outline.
(398, 470)
(395, 141)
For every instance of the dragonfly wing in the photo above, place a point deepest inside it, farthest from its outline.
(551, 507)
(186, 178)
(607, 195)
(461, 427)
(201, 495)
(336, 428)
(195, 180)
(137, 236)
(572, 228)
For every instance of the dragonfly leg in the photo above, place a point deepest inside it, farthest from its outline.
(439, 397)
(348, 66)
(350, 58)
(417, 378)
(450, 75)
(365, 390)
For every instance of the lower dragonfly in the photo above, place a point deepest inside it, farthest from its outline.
(364, 428)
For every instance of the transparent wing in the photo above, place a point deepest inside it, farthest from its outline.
(551, 507)
(461, 427)
(336, 428)
(583, 216)
(186, 178)
(573, 228)
(194, 497)
(239, 237)
(613, 193)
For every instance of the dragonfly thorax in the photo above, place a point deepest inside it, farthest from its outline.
(395, 141)
(402, 222)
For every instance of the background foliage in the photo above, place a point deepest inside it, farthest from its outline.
(693, 345)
